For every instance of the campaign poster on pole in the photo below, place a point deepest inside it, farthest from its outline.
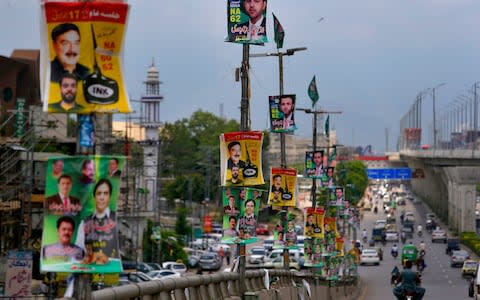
(328, 178)
(82, 53)
(338, 199)
(283, 189)
(241, 158)
(314, 222)
(330, 226)
(247, 22)
(282, 113)
(80, 232)
(314, 167)
(18, 279)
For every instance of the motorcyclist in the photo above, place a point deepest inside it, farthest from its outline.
(394, 251)
(423, 248)
(403, 237)
(395, 275)
(419, 229)
(364, 235)
(410, 282)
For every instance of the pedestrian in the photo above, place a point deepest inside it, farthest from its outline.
(221, 252)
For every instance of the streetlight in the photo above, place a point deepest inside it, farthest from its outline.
(434, 116)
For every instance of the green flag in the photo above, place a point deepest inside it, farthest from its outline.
(312, 91)
(333, 155)
(327, 126)
(279, 32)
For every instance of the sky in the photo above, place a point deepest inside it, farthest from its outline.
(371, 58)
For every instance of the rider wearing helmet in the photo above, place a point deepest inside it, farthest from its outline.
(422, 246)
(410, 281)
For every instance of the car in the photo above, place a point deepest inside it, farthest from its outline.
(155, 266)
(262, 229)
(133, 277)
(439, 235)
(256, 255)
(193, 256)
(469, 268)
(409, 217)
(392, 236)
(175, 266)
(458, 258)
(452, 245)
(268, 243)
(277, 263)
(380, 222)
(159, 274)
(430, 216)
(369, 256)
(293, 253)
(210, 261)
(132, 266)
(408, 231)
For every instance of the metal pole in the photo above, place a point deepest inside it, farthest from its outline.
(434, 123)
(314, 180)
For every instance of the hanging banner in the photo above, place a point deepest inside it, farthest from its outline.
(80, 225)
(87, 133)
(330, 226)
(241, 158)
(247, 21)
(282, 113)
(314, 164)
(314, 222)
(338, 198)
(314, 249)
(283, 189)
(327, 179)
(18, 280)
(83, 46)
(281, 220)
(240, 207)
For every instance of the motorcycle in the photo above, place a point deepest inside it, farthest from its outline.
(394, 253)
(419, 233)
(365, 239)
(422, 252)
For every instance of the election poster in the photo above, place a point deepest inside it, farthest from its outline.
(247, 22)
(328, 178)
(241, 158)
(314, 252)
(18, 280)
(314, 167)
(82, 53)
(338, 199)
(240, 207)
(283, 187)
(282, 113)
(80, 223)
(314, 222)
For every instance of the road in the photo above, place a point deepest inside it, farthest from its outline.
(439, 279)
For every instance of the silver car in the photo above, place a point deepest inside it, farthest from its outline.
(210, 261)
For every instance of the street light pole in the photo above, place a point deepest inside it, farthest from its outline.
(313, 195)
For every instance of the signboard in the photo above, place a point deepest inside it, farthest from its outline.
(247, 21)
(20, 118)
(397, 173)
(18, 282)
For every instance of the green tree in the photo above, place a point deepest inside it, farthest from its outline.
(353, 176)
(182, 228)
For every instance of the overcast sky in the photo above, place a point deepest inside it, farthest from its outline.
(371, 58)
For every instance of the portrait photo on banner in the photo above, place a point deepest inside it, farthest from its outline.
(282, 113)
(247, 21)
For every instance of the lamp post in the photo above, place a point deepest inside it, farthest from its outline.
(434, 116)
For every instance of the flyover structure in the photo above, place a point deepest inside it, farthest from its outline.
(446, 180)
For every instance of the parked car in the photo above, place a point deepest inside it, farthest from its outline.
(262, 229)
(268, 244)
(155, 266)
(256, 255)
(452, 245)
(469, 267)
(277, 263)
(293, 253)
(175, 266)
(131, 266)
(210, 261)
(133, 277)
(159, 274)
(369, 256)
(439, 235)
(458, 258)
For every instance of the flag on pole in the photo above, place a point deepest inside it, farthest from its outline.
(312, 91)
(327, 126)
(279, 32)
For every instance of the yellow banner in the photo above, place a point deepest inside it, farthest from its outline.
(283, 189)
(82, 67)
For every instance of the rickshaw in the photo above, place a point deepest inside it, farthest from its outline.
(409, 252)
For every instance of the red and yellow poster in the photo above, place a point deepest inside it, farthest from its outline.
(80, 225)
(314, 222)
(241, 158)
(81, 59)
(283, 187)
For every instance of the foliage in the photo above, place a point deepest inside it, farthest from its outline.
(182, 228)
(471, 240)
(170, 248)
(353, 176)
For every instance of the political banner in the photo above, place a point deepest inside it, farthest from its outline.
(241, 158)
(314, 167)
(18, 281)
(330, 226)
(338, 199)
(82, 49)
(282, 113)
(283, 189)
(240, 207)
(247, 21)
(328, 178)
(80, 224)
(314, 222)
(314, 252)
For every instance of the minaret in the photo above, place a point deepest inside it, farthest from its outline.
(150, 116)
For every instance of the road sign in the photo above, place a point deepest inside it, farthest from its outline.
(390, 173)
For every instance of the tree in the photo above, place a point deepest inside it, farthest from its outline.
(353, 176)
(182, 228)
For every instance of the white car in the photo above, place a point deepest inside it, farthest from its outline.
(175, 266)
(159, 274)
(256, 255)
(392, 236)
(369, 256)
(380, 223)
(439, 235)
(277, 263)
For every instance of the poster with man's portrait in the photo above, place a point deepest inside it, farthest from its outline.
(314, 164)
(247, 219)
(282, 113)
(283, 183)
(247, 21)
(80, 221)
(241, 158)
(314, 222)
(81, 57)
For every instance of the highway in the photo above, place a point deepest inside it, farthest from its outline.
(439, 279)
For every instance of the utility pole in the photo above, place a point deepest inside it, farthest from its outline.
(283, 159)
(313, 195)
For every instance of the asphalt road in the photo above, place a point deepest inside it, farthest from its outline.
(439, 279)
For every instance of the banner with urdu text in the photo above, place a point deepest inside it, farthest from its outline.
(283, 187)
(80, 224)
(82, 48)
(247, 22)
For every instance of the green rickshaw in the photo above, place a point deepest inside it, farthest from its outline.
(409, 252)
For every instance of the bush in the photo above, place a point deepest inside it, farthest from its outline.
(471, 240)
